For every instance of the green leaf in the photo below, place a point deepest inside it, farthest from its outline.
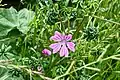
(2, 72)
(74, 1)
(25, 18)
(10, 19)
(4, 77)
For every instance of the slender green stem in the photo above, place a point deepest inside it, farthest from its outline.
(73, 62)
(105, 50)
(78, 28)
(90, 17)
(94, 69)
(93, 76)
(107, 20)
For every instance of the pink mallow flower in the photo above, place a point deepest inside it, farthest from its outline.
(62, 44)
(46, 52)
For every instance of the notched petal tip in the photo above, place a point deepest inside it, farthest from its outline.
(57, 36)
(56, 32)
(68, 37)
(71, 46)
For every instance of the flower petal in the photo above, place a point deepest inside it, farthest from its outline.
(56, 47)
(68, 37)
(57, 37)
(71, 46)
(46, 52)
(58, 33)
(64, 51)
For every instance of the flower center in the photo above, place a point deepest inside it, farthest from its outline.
(63, 42)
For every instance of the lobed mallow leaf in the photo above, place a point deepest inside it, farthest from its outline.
(10, 19)
(25, 17)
